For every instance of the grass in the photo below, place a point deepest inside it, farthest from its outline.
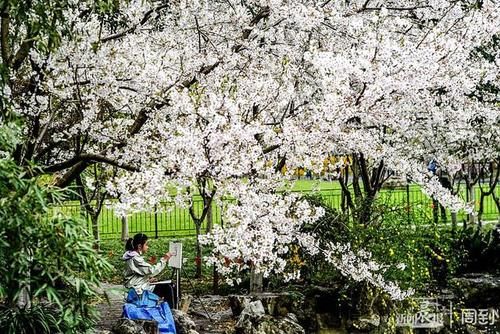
(170, 221)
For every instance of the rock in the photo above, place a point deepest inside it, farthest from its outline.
(254, 320)
(473, 330)
(254, 310)
(321, 309)
(281, 325)
(127, 326)
(238, 303)
(274, 303)
(224, 314)
(478, 290)
(268, 324)
(183, 323)
(366, 323)
(185, 303)
(251, 315)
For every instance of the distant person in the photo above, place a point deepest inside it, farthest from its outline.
(138, 272)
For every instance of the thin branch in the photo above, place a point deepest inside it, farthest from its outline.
(358, 99)
(145, 19)
(270, 148)
(440, 19)
(46, 126)
(199, 33)
(394, 8)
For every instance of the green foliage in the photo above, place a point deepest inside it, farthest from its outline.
(479, 249)
(36, 319)
(51, 258)
(45, 23)
(394, 237)
(8, 138)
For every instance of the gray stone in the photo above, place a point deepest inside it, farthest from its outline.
(366, 323)
(254, 310)
(238, 303)
(478, 290)
(281, 325)
(183, 323)
(372, 320)
(254, 320)
(473, 330)
(274, 303)
(250, 316)
(127, 326)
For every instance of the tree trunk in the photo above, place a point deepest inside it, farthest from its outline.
(95, 230)
(124, 229)
(256, 285)
(198, 249)
(497, 203)
(444, 217)
(481, 209)
(454, 223)
(435, 211)
(210, 221)
(215, 282)
(366, 209)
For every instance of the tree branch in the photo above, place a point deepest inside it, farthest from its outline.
(147, 16)
(88, 159)
(394, 8)
(22, 53)
(5, 35)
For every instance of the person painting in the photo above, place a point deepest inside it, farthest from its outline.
(138, 272)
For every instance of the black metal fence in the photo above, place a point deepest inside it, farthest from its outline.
(168, 219)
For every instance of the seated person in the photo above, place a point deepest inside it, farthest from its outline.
(138, 272)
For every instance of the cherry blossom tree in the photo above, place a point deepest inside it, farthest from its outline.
(221, 95)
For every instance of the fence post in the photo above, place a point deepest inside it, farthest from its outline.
(156, 221)
(408, 200)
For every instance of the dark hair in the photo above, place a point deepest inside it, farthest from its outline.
(133, 244)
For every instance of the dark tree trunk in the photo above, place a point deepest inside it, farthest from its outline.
(198, 249)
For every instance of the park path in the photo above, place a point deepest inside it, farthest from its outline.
(112, 311)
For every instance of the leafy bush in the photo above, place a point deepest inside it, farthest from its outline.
(50, 269)
(479, 249)
(36, 319)
(396, 238)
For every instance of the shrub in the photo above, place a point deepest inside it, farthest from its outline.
(50, 269)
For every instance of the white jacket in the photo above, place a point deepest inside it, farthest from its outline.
(137, 271)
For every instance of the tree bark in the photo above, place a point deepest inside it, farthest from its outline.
(124, 229)
(198, 249)
(256, 278)
(210, 220)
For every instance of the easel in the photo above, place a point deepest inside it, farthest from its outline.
(175, 262)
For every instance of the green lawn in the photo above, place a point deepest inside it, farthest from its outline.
(170, 221)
